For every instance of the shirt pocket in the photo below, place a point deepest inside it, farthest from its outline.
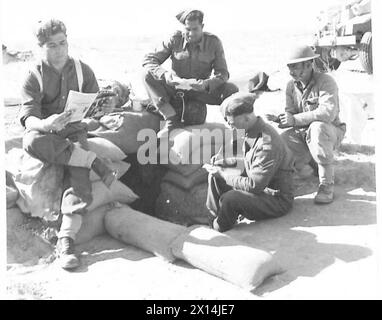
(311, 103)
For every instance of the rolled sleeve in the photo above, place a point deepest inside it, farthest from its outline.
(153, 61)
(31, 99)
(327, 109)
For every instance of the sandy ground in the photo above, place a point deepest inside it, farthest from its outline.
(326, 252)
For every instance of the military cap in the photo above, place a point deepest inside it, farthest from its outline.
(259, 82)
(237, 104)
(47, 28)
(181, 16)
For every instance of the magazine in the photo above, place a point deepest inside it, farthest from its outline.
(78, 104)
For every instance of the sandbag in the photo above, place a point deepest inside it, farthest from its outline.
(186, 182)
(105, 149)
(142, 231)
(195, 144)
(12, 195)
(183, 169)
(120, 166)
(39, 184)
(92, 224)
(117, 192)
(122, 129)
(224, 257)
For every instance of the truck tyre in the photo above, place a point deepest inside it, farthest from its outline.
(365, 55)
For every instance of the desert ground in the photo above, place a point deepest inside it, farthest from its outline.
(326, 252)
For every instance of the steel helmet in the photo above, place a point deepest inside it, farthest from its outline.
(300, 54)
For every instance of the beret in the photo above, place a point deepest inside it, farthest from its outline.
(181, 16)
(237, 104)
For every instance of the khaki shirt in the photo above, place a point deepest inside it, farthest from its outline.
(266, 160)
(196, 61)
(56, 87)
(318, 101)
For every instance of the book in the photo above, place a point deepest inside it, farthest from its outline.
(78, 104)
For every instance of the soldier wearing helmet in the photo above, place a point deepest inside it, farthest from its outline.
(312, 116)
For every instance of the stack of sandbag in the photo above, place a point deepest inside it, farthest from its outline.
(183, 188)
(211, 251)
(39, 186)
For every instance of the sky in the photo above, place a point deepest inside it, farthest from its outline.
(121, 17)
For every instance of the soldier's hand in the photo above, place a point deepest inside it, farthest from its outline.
(213, 170)
(171, 79)
(57, 122)
(198, 85)
(286, 120)
(272, 117)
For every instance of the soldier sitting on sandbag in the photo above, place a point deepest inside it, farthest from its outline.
(181, 95)
(264, 190)
(51, 138)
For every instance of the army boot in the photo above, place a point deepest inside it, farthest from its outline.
(66, 257)
(325, 193)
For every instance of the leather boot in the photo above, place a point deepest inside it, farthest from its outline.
(325, 194)
(66, 257)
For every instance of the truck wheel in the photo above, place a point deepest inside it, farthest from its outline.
(365, 55)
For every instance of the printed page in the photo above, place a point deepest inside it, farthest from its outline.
(79, 103)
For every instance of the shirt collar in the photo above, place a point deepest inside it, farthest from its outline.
(200, 44)
(68, 63)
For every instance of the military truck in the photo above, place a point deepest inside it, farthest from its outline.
(344, 33)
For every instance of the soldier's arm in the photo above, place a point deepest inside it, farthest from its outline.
(263, 167)
(327, 108)
(31, 99)
(219, 65)
(153, 60)
(290, 105)
(90, 84)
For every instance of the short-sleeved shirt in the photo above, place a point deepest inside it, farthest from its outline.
(266, 159)
(190, 60)
(56, 87)
(317, 101)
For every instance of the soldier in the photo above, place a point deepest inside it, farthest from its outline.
(51, 138)
(264, 190)
(194, 54)
(312, 113)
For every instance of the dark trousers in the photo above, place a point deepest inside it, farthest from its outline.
(162, 94)
(56, 148)
(227, 204)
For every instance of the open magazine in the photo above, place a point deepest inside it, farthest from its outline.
(78, 104)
